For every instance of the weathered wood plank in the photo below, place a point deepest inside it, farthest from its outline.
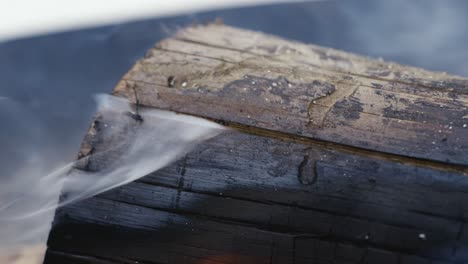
(334, 101)
(333, 158)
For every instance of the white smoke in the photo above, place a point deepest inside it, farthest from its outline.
(129, 146)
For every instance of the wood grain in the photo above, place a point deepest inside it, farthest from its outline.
(290, 87)
(332, 158)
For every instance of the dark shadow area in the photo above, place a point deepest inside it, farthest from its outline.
(191, 237)
(240, 199)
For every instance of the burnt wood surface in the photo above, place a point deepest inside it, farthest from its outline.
(332, 158)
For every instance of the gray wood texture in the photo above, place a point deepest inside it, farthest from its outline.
(332, 158)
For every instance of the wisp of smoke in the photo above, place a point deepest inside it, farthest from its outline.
(126, 146)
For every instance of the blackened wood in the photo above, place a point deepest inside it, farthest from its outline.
(333, 158)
